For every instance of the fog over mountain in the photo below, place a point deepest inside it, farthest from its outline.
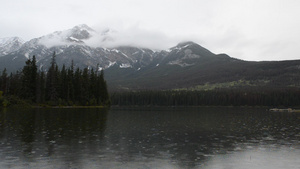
(113, 37)
(133, 66)
(265, 30)
(81, 44)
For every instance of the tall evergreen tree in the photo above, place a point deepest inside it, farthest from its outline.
(102, 89)
(70, 81)
(77, 85)
(4, 82)
(29, 80)
(93, 87)
(85, 86)
(33, 77)
(63, 84)
(41, 88)
(51, 82)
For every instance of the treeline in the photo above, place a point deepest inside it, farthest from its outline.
(219, 97)
(65, 86)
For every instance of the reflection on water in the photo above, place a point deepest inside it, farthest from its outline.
(38, 137)
(257, 157)
(149, 138)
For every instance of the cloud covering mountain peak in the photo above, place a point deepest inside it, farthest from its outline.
(73, 36)
(108, 37)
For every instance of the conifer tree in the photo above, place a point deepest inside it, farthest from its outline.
(70, 81)
(51, 80)
(103, 93)
(41, 88)
(29, 79)
(93, 87)
(63, 84)
(4, 82)
(85, 85)
(77, 85)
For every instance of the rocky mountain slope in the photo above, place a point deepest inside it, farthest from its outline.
(190, 66)
(10, 44)
(187, 65)
(73, 44)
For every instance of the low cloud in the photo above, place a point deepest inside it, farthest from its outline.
(131, 36)
(51, 42)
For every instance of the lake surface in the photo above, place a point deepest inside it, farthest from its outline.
(206, 138)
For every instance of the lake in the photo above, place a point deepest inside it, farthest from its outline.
(206, 138)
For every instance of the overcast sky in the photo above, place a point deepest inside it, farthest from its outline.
(245, 29)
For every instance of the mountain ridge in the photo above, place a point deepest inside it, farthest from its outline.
(185, 65)
(10, 44)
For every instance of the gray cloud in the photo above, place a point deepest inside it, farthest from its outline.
(245, 29)
(132, 36)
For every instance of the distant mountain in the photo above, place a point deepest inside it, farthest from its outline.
(190, 66)
(73, 44)
(11, 44)
(187, 65)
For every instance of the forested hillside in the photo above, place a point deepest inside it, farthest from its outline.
(65, 86)
(274, 97)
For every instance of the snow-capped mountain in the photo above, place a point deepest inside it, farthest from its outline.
(74, 36)
(10, 44)
(77, 45)
(131, 67)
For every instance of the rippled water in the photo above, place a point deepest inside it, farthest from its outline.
(208, 138)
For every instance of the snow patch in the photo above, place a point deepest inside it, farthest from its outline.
(115, 50)
(168, 50)
(74, 39)
(9, 45)
(124, 55)
(180, 63)
(86, 51)
(9, 40)
(26, 55)
(41, 66)
(111, 64)
(186, 46)
(59, 51)
(178, 48)
(125, 65)
(105, 49)
(135, 53)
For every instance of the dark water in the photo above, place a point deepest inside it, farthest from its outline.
(208, 138)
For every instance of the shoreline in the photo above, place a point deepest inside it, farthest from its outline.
(289, 110)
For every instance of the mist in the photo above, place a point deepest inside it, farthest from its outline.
(110, 37)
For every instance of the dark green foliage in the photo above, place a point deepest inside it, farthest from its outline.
(220, 97)
(102, 89)
(41, 87)
(205, 70)
(15, 84)
(29, 80)
(74, 86)
(4, 82)
(1, 99)
(52, 78)
(56, 87)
